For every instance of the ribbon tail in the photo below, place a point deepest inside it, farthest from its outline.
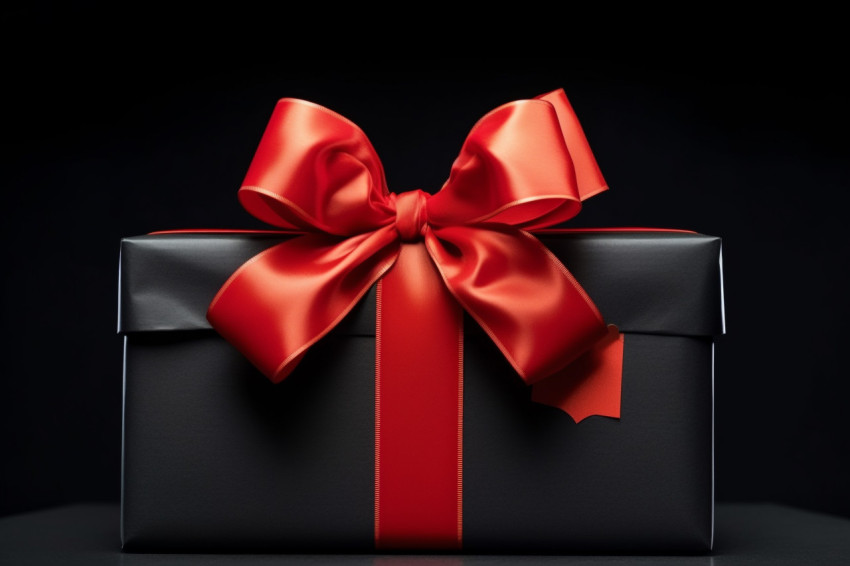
(283, 300)
(521, 295)
(589, 386)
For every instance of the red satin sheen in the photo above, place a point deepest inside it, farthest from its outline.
(525, 165)
(591, 385)
(418, 408)
(588, 175)
(256, 310)
(482, 267)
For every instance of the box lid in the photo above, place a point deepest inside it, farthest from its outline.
(644, 281)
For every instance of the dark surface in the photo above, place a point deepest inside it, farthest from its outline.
(739, 131)
(751, 534)
(217, 457)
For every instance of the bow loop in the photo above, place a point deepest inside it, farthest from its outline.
(316, 171)
(516, 167)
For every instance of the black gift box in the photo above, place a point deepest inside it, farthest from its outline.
(216, 457)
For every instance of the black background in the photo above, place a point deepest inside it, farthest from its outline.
(750, 146)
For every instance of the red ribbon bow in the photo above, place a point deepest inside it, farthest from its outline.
(524, 166)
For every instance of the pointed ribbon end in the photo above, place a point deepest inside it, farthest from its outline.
(589, 386)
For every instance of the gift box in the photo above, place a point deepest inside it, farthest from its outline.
(485, 385)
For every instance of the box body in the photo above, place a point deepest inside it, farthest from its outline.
(216, 457)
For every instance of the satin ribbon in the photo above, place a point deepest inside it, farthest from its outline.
(524, 166)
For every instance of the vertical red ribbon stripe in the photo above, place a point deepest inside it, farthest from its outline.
(418, 408)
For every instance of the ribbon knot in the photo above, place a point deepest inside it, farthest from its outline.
(411, 215)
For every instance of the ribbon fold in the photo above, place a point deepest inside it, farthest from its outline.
(524, 166)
